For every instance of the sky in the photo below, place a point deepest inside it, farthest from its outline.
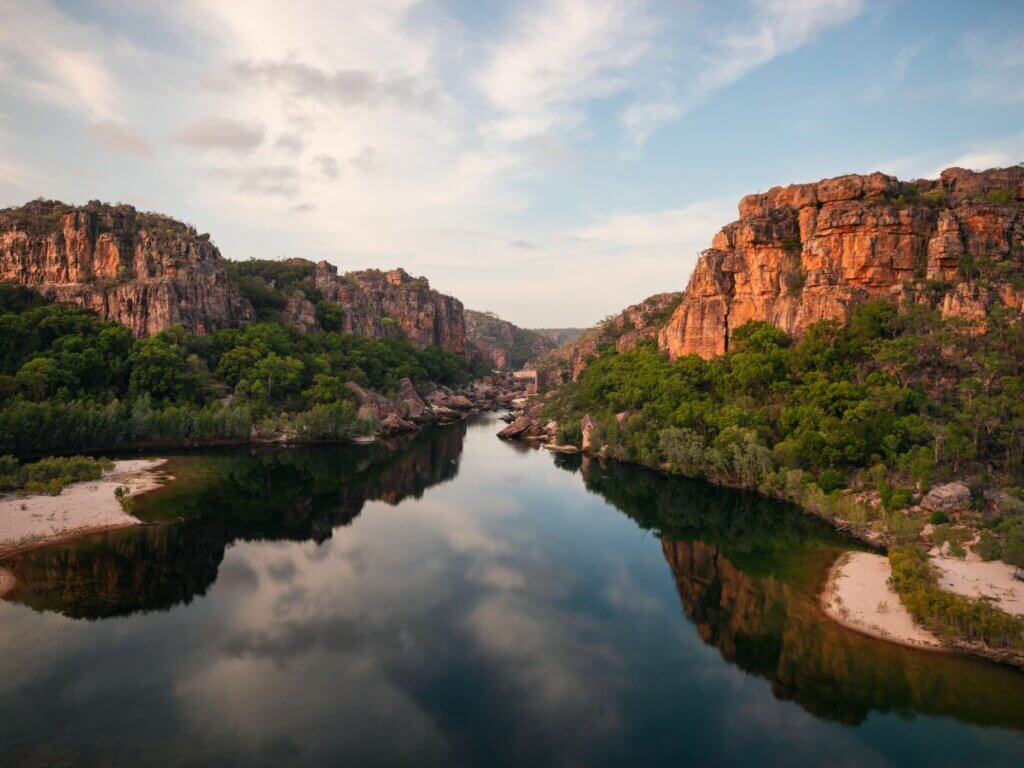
(549, 160)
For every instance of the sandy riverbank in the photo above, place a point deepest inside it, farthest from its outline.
(859, 597)
(973, 577)
(28, 521)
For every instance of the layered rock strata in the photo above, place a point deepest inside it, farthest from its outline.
(810, 252)
(146, 271)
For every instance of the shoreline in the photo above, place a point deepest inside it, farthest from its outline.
(82, 508)
(7, 581)
(857, 596)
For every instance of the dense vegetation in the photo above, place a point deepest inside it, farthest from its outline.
(69, 381)
(851, 422)
(50, 475)
(269, 283)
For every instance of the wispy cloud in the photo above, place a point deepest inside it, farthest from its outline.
(222, 133)
(559, 56)
(341, 87)
(120, 138)
(716, 57)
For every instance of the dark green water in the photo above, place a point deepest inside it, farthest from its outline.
(465, 602)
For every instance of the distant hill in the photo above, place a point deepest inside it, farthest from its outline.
(503, 344)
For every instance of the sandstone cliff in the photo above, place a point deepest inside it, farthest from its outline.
(502, 344)
(624, 330)
(381, 304)
(809, 252)
(144, 270)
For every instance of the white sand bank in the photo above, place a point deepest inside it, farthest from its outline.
(859, 597)
(27, 521)
(973, 577)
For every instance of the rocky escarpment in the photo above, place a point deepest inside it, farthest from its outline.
(144, 270)
(809, 252)
(385, 304)
(502, 344)
(624, 330)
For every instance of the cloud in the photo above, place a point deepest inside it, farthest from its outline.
(689, 227)
(366, 160)
(559, 55)
(643, 120)
(998, 66)
(262, 181)
(14, 174)
(328, 166)
(291, 143)
(222, 133)
(982, 160)
(51, 56)
(120, 138)
(776, 27)
(341, 87)
(994, 152)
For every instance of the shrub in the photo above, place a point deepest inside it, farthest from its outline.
(950, 615)
(569, 433)
(988, 546)
(938, 517)
(999, 196)
(830, 480)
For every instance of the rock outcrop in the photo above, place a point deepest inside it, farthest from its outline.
(502, 344)
(144, 270)
(948, 497)
(809, 252)
(625, 330)
(384, 304)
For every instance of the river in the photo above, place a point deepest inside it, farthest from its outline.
(465, 601)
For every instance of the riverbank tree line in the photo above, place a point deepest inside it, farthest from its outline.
(70, 381)
(852, 421)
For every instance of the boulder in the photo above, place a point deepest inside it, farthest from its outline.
(517, 428)
(415, 408)
(372, 403)
(587, 426)
(394, 425)
(460, 402)
(948, 497)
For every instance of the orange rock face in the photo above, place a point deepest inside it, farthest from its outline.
(146, 271)
(809, 252)
(381, 304)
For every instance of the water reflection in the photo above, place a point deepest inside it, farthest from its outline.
(481, 607)
(748, 572)
(294, 494)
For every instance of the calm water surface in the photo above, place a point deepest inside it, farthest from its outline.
(465, 602)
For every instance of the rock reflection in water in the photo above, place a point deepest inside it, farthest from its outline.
(748, 572)
(298, 494)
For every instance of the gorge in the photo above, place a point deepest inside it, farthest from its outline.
(847, 348)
